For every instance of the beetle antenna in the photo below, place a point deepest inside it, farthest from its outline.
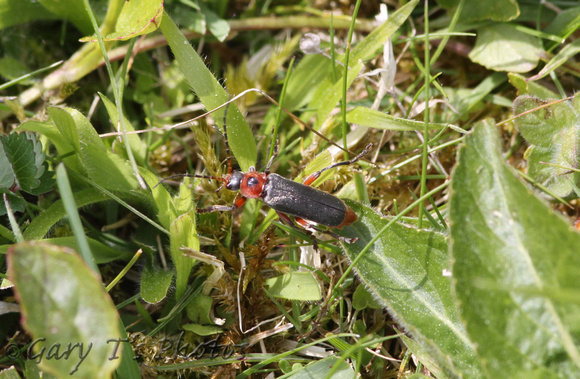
(229, 158)
(189, 176)
(353, 160)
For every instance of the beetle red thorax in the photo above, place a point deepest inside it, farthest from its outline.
(253, 184)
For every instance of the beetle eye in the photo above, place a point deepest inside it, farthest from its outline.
(252, 181)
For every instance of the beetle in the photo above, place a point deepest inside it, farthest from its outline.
(307, 205)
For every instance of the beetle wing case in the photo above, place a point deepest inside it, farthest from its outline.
(299, 200)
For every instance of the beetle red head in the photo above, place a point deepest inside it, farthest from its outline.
(252, 184)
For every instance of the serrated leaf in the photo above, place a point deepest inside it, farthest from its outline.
(8, 178)
(511, 251)
(62, 142)
(404, 271)
(295, 285)
(17, 203)
(63, 302)
(501, 47)
(553, 132)
(21, 162)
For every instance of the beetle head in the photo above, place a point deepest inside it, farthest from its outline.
(235, 180)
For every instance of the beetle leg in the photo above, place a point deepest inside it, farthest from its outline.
(312, 177)
(306, 227)
(336, 236)
(238, 202)
(311, 228)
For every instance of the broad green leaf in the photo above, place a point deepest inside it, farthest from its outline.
(510, 252)
(71, 10)
(379, 120)
(565, 23)
(404, 271)
(183, 234)
(312, 83)
(137, 146)
(184, 199)
(155, 282)
(305, 79)
(137, 18)
(217, 26)
(128, 368)
(424, 356)
(22, 11)
(211, 94)
(468, 100)
(361, 299)
(63, 142)
(570, 51)
(101, 252)
(501, 47)
(553, 131)
(526, 87)
(41, 224)
(323, 368)
(199, 309)
(166, 212)
(64, 306)
(99, 163)
(495, 10)
(370, 46)
(202, 330)
(328, 94)
(295, 285)
(12, 68)
(9, 373)
(322, 160)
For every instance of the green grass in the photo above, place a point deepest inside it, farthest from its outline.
(465, 259)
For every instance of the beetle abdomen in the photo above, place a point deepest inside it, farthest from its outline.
(299, 200)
